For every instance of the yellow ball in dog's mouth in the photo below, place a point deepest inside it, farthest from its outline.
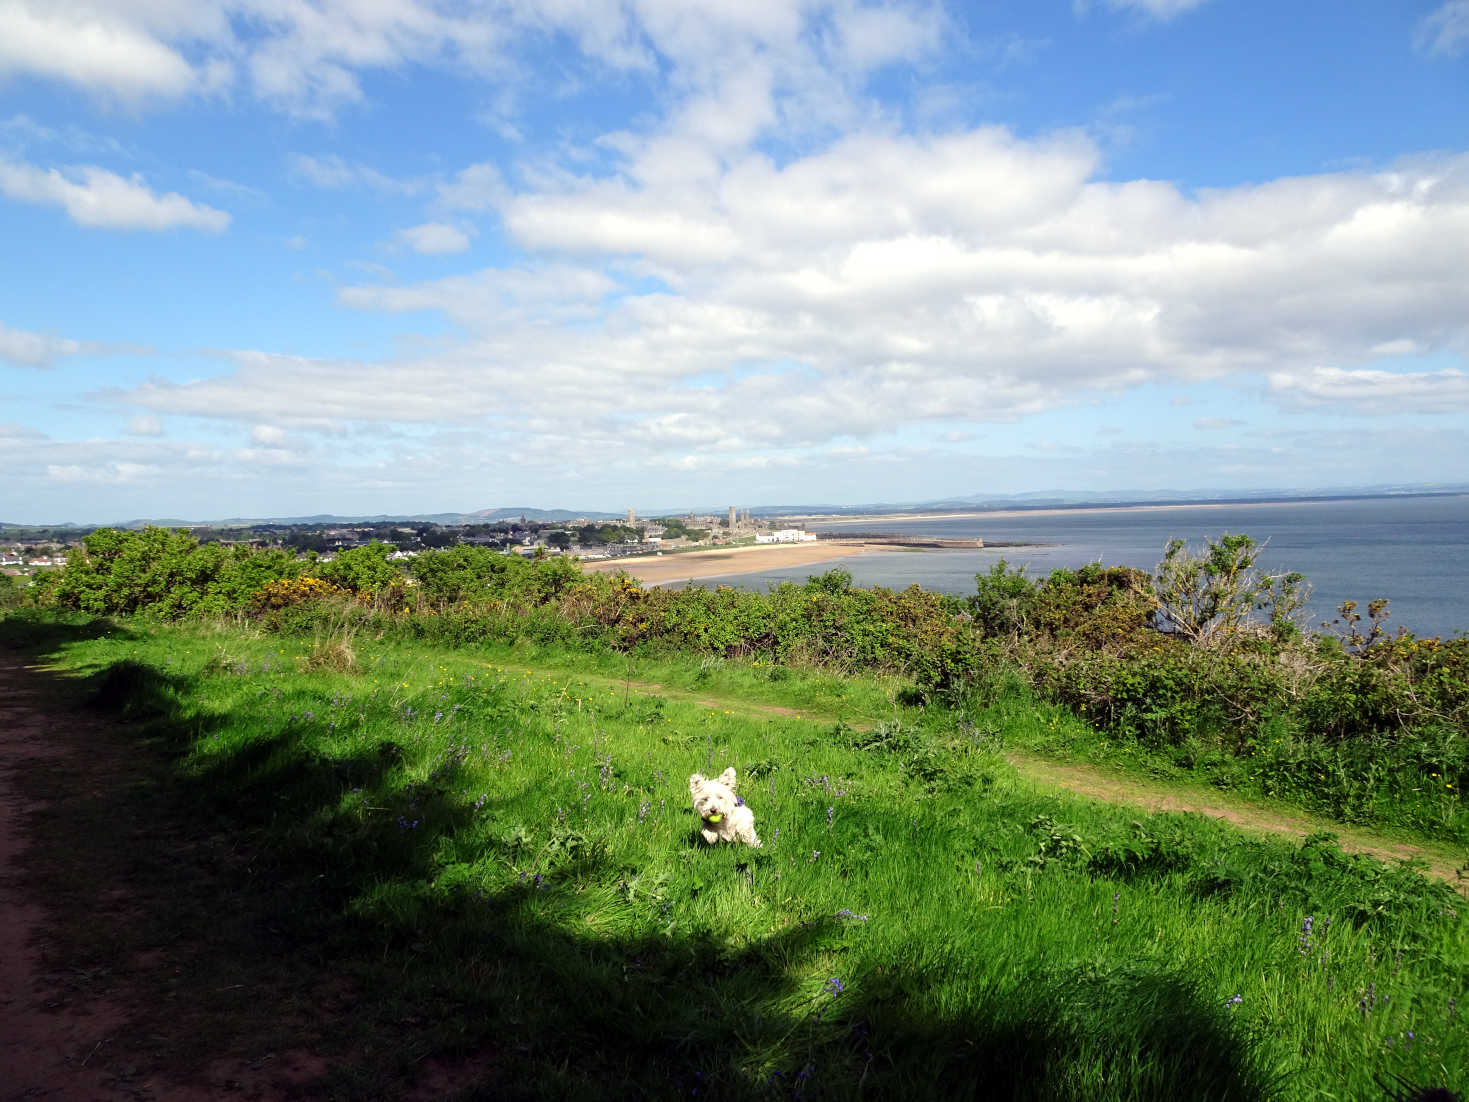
(714, 818)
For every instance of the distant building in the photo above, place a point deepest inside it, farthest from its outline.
(786, 535)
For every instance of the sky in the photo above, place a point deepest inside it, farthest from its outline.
(287, 257)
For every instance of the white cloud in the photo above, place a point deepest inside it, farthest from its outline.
(477, 187)
(434, 238)
(1445, 30)
(335, 173)
(309, 58)
(228, 187)
(12, 434)
(1372, 392)
(108, 474)
(1156, 9)
(25, 349)
(1216, 424)
(87, 45)
(96, 198)
(839, 296)
(269, 436)
(144, 425)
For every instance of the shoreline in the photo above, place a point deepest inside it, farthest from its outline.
(718, 562)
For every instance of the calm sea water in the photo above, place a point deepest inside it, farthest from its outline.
(1412, 550)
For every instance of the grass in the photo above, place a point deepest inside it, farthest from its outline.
(1396, 789)
(484, 860)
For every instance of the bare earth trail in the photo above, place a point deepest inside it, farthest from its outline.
(1095, 783)
(68, 1029)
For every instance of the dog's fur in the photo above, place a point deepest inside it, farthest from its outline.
(716, 796)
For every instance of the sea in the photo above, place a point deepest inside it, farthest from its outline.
(1412, 550)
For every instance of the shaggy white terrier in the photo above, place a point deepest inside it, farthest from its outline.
(723, 816)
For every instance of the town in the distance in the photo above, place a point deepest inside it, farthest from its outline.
(25, 550)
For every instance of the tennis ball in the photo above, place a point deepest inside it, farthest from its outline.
(715, 818)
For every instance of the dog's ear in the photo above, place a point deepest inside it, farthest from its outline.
(728, 777)
(695, 782)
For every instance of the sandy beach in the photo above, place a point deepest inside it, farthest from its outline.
(718, 561)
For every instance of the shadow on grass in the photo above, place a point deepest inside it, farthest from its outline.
(240, 907)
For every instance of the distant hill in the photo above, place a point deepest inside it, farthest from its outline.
(976, 502)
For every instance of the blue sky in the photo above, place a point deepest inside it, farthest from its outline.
(280, 257)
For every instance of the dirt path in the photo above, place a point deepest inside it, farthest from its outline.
(46, 1043)
(69, 1029)
(1094, 783)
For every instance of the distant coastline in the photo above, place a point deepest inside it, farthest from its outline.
(1053, 510)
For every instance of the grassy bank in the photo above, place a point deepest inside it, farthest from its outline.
(474, 864)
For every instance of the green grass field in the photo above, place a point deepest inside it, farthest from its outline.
(484, 860)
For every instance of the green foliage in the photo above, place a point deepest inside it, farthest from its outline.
(163, 573)
(677, 528)
(1003, 601)
(599, 535)
(361, 570)
(463, 574)
(1208, 595)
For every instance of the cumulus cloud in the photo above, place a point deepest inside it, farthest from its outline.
(99, 199)
(434, 238)
(90, 46)
(885, 281)
(144, 425)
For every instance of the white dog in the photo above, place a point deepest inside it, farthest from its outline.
(723, 816)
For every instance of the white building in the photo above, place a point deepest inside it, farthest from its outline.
(786, 535)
